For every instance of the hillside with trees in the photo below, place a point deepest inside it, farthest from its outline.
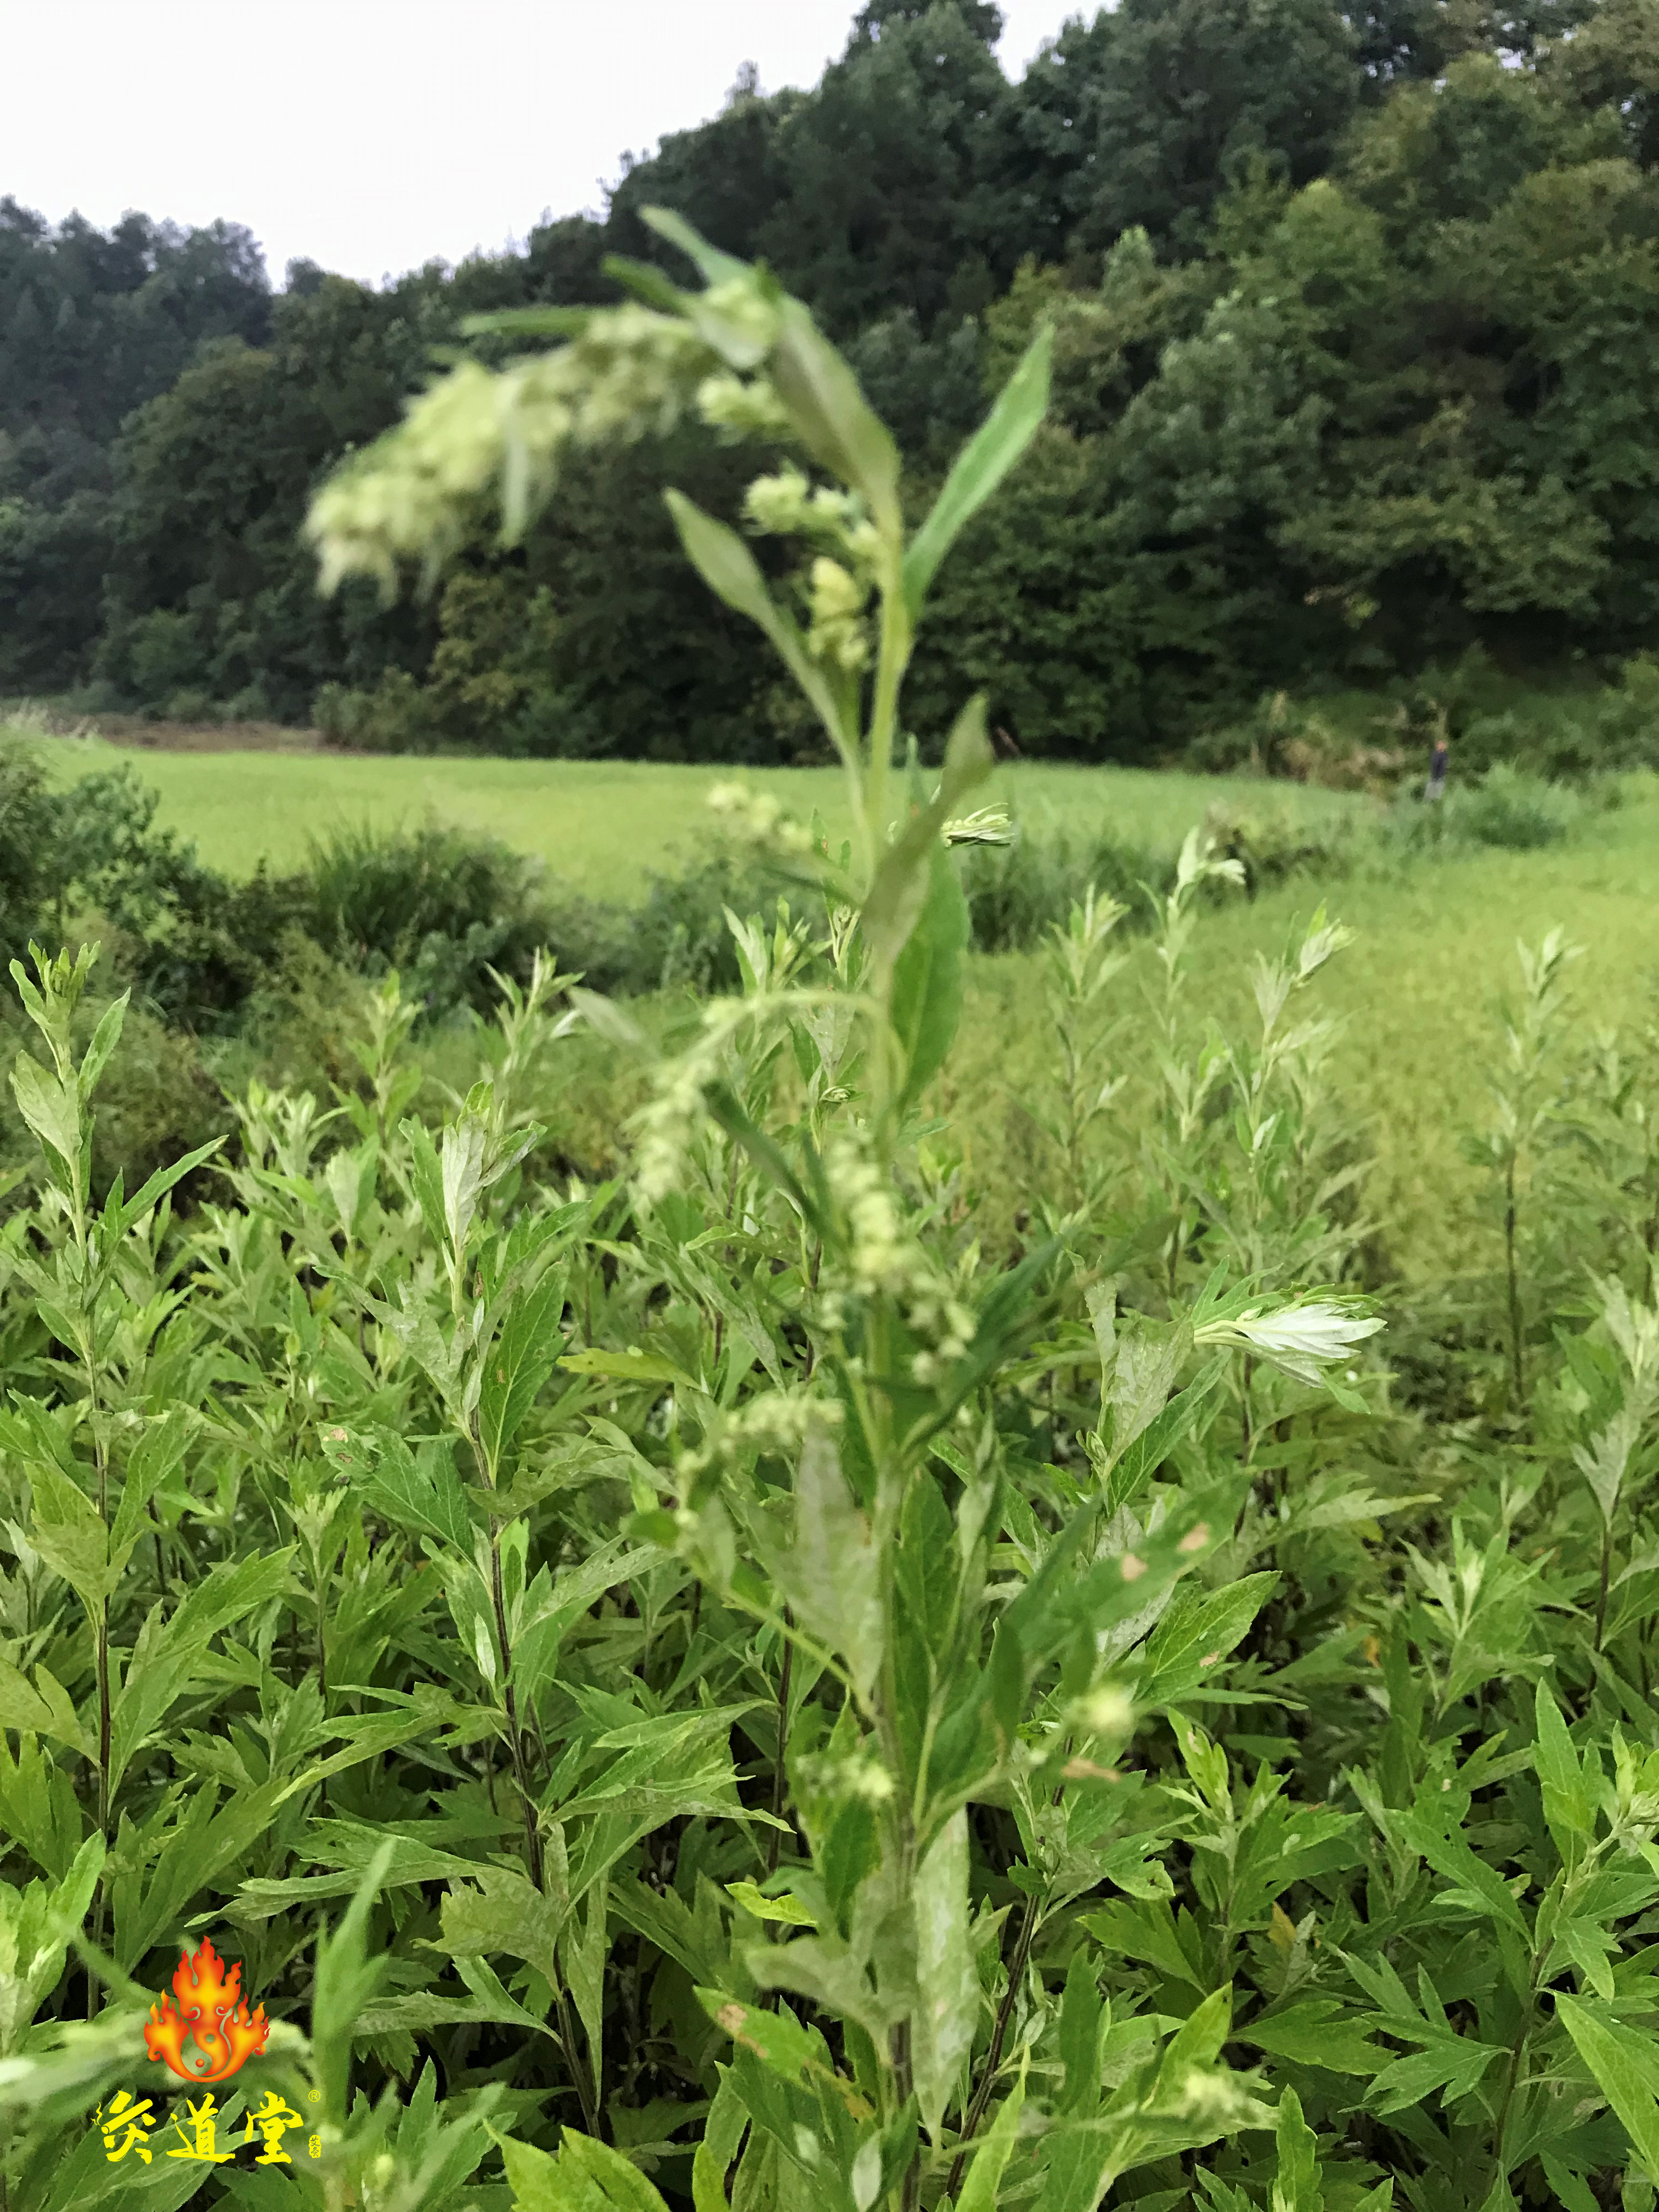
(1355, 311)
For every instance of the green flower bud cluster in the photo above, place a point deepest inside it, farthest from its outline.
(747, 407)
(884, 1259)
(840, 578)
(837, 633)
(631, 372)
(759, 819)
(776, 1425)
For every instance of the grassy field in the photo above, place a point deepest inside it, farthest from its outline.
(1418, 994)
(602, 826)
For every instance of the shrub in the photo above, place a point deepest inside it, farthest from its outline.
(1016, 893)
(395, 716)
(1626, 725)
(1299, 742)
(1505, 807)
(441, 907)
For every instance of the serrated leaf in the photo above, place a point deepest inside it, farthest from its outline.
(1314, 2032)
(1625, 2064)
(759, 1907)
(423, 1495)
(518, 1362)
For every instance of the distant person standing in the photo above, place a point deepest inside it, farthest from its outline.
(1436, 787)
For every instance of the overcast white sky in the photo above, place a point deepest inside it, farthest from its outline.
(372, 135)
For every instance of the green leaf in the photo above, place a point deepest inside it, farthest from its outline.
(781, 2043)
(154, 1460)
(711, 264)
(829, 1573)
(1062, 1600)
(630, 1366)
(105, 1038)
(167, 1656)
(1197, 2042)
(507, 1915)
(584, 2176)
(992, 2153)
(51, 1107)
(1146, 1929)
(1571, 2189)
(849, 1855)
(1625, 2066)
(345, 1978)
(722, 2135)
(1569, 1809)
(66, 1531)
(45, 1710)
(981, 467)
(1314, 2032)
(901, 882)
(833, 419)
(427, 1178)
(1454, 2064)
(157, 1187)
(1296, 2183)
(617, 2179)
(724, 1107)
(731, 573)
(947, 1983)
(1196, 1633)
(582, 1949)
(423, 1496)
(1480, 1887)
(537, 2184)
(759, 1907)
(518, 1362)
(1081, 2016)
(927, 978)
(1142, 1451)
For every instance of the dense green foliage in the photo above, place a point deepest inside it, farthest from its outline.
(1354, 311)
(806, 1708)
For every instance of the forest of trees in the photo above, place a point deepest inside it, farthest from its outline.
(1356, 311)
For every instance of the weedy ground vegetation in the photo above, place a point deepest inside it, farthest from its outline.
(729, 1686)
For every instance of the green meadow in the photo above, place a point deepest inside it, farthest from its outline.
(1417, 994)
(603, 826)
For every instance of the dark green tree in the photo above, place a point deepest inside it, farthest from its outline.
(727, 177)
(1149, 111)
(891, 198)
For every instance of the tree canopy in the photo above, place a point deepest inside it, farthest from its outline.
(1354, 309)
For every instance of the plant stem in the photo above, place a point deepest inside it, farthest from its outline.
(778, 1777)
(1513, 2073)
(1517, 1365)
(894, 653)
(1601, 1594)
(987, 2082)
(532, 1834)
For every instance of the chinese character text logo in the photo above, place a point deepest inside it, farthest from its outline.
(210, 2012)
